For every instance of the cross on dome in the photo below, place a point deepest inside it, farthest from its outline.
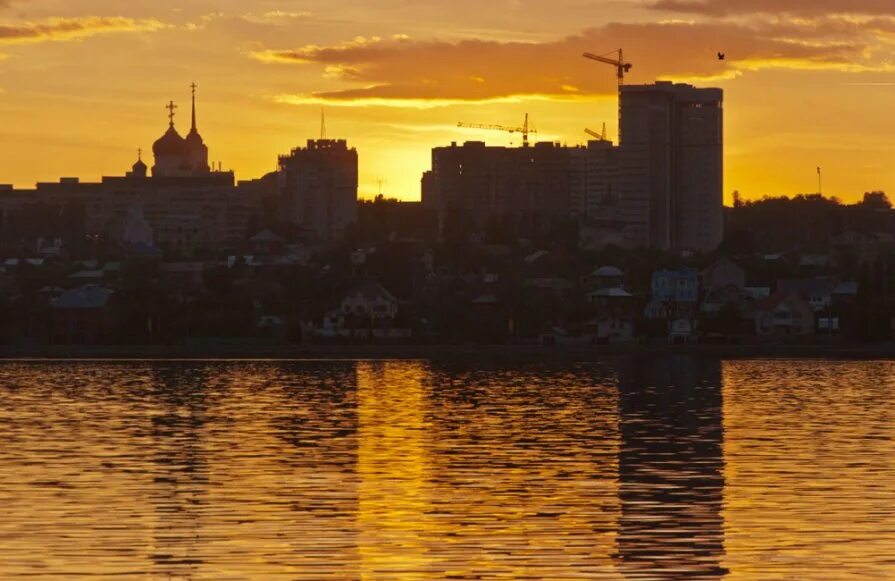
(171, 107)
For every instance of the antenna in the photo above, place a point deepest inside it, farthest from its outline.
(322, 124)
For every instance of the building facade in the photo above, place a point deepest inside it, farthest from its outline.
(671, 166)
(318, 189)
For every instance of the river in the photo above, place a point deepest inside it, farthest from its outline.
(672, 467)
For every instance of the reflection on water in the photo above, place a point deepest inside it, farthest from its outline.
(672, 468)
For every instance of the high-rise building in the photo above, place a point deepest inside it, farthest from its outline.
(671, 166)
(593, 179)
(318, 188)
(525, 187)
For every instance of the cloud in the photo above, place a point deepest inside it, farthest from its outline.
(400, 68)
(799, 7)
(276, 17)
(62, 29)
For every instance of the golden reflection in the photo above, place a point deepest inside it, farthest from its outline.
(527, 474)
(393, 470)
(324, 471)
(810, 462)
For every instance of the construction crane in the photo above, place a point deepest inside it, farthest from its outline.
(621, 67)
(524, 130)
(595, 135)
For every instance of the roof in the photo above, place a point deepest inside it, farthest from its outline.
(86, 297)
(175, 267)
(846, 288)
(559, 284)
(723, 261)
(28, 261)
(266, 236)
(485, 300)
(371, 291)
(608, 271)
(758, 292)
(773, 301)
(814, 260)
(611, 292)
(535, 256)
(88, 274)
(811, 286)
(677, 272)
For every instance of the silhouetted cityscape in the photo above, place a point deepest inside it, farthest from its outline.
(540, 244)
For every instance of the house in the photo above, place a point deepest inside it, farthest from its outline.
(675, 286)
(723, 273)
(266, 242)
(614, 320)
(607, 277)
(366, 311)
(817, 291)
(728, 310)
(783, 314)
(84, 315)
(814, 262)
(675, 295)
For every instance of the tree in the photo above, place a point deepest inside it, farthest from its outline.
(876, 200)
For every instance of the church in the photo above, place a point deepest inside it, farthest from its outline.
(176, 156)
(183, 204)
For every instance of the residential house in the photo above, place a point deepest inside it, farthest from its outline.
(84, 315)
(817, 291)
(675, 295)
(785, 313)
(723, 273)
(615, 313)
(266, 242)
(366, 311)
(607, 277)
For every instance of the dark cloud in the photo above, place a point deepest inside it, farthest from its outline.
(402, 68)
(795, 7)
(73, 28)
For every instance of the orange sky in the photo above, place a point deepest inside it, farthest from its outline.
(83, 82)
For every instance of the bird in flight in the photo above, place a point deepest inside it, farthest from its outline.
(721, 56)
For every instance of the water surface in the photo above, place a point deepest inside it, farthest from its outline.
(632, 468)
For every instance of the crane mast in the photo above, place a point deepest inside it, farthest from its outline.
(621, 67)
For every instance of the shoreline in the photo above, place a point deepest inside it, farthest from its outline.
(249, 350)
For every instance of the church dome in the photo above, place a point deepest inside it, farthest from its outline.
(171, 143)
(139, 167)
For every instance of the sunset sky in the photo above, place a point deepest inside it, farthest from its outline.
(83, 83)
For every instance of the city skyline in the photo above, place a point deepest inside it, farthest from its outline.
(84, 83)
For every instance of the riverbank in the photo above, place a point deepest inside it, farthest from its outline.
(253, 350)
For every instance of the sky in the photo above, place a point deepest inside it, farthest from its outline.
(83, 83)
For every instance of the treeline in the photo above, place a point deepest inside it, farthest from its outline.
(804, 223)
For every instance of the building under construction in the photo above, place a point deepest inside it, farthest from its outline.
(661, 187)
